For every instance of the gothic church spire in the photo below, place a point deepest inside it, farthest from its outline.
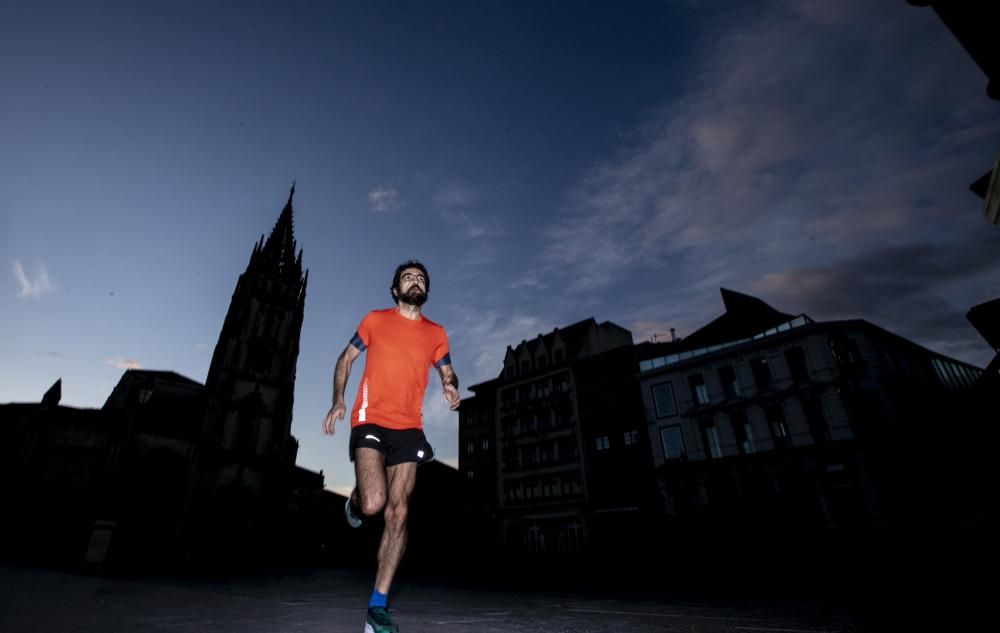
(279, 249)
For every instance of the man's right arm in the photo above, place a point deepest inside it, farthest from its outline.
(340, 374)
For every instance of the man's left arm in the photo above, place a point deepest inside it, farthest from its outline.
(450, 382)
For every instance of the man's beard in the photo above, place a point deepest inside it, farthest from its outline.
(414, 296)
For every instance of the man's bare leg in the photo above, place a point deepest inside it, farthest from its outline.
(369, 469)
(401, 477)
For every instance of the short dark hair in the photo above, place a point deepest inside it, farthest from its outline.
(399, 272)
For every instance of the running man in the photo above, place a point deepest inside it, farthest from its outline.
(387, 439)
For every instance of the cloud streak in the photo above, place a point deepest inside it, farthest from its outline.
(383, 199)
(123, 363)
(458, 205)
(32, 288)
(480, 338)
(917, 288)
(804, 148)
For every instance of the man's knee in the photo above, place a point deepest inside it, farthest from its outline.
(372, 504)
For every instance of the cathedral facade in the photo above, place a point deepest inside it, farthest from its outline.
(169, 468)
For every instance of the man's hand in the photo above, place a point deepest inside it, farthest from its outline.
(452, 396)
(336, 413)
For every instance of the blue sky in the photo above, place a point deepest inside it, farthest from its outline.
(548, 161)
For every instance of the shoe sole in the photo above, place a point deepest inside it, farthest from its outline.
(353, 522)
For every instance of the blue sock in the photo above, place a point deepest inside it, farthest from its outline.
(377, 599)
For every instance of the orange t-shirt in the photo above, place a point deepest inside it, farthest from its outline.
(401, 352)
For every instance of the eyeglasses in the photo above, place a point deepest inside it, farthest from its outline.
(412, 277)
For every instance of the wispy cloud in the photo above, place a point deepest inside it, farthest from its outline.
(32, 288)
(51, 354)
(459, 205)
(788, 153)
(383, 199)
(531, 279)
(123, 363)
(468, 226)
(454, 194)
(481, 337)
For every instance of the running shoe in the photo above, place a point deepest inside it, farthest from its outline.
(353, 517)
(379, 621)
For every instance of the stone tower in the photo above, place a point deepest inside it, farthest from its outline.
(246, 440)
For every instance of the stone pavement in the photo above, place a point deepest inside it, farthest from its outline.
(36, 600)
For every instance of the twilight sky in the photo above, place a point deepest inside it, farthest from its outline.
(548, 162)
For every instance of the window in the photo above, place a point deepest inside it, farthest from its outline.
(848, 356)
(698, 390)
(743, 431)
(557, 356)
(813, 410)
(779, 425)
(710, 435)
(673, 443)
(525, 367)
(631, 438)
(749, 445)
(796, 359)
(486, 444)
(470, 448)
(603, 443)
(470, 474)
(761, 373)
(145, 395)
(663, 400)
(730, 386)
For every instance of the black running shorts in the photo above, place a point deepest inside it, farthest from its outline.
(397, 447)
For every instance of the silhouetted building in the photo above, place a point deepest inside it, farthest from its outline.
(552, 452)
(477, 446)
(770, 421)
(169, 467)
(246, 452)
(436, 523)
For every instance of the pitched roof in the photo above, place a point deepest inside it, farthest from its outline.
(170, 376)
(571, 335)
(744, 317)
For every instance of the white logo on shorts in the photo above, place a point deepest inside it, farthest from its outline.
(372, 437)
(420, 454)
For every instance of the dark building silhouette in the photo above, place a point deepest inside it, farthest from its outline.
(169, 468)
(534, 444)
(772, 421)
(246, 452)
(760, 431)
(985, 317)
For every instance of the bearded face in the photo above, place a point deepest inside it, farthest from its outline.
(412, 287)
